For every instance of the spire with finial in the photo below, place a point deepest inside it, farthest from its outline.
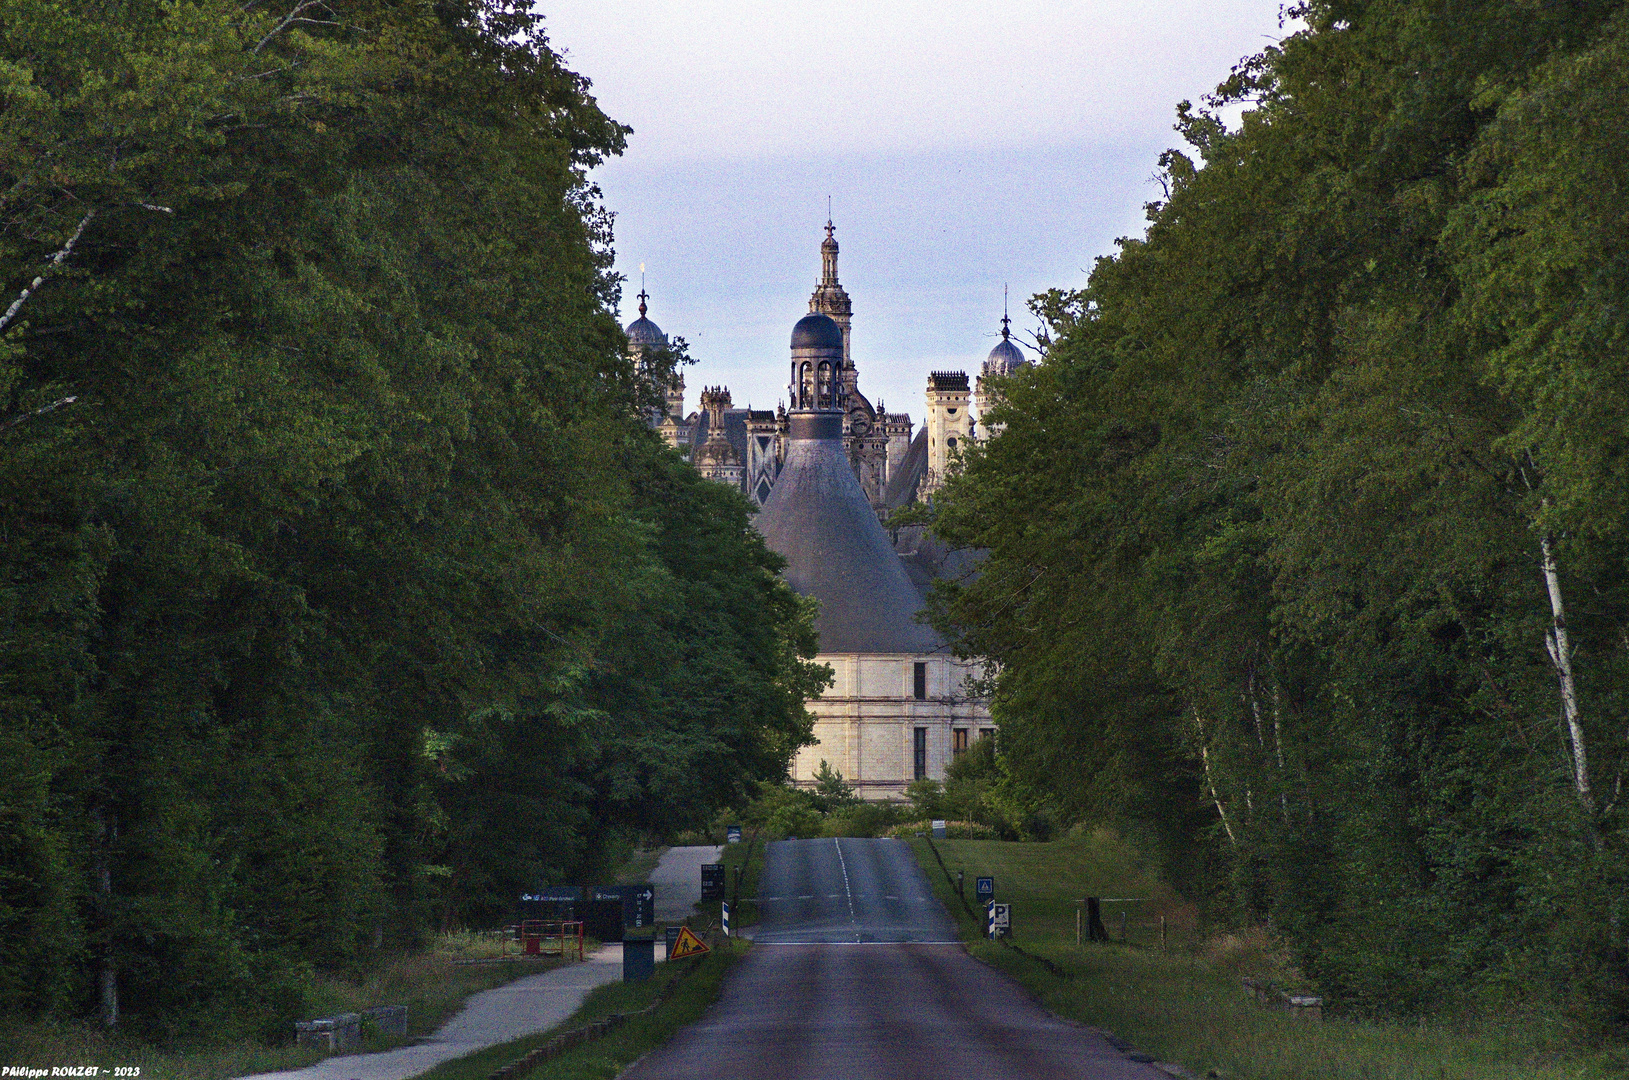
(1006, 357)
(828, 254)
(642, 333)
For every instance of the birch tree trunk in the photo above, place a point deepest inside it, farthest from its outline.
(1210, 782)
(107, 976)
(1557, 645)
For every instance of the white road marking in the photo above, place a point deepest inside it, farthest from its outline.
(846, 889)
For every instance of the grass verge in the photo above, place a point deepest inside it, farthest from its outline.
(1185, 1004)
(605, 1058)
(432, 984)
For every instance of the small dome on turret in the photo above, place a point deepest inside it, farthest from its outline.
(642, 332)
(816, 331)
(1006, 357)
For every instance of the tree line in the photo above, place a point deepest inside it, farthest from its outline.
(344, 593)
(1307, 536)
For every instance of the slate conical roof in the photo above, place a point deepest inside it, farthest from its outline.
(836, 551)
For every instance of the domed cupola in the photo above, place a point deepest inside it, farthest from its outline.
(1006, 357)
(817, 365)
(642, 333)
(817, 332)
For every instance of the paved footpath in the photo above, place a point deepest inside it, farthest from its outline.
(534, 1003)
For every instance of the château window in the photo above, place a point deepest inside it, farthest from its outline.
(920, 753)
(958, 741)
(987, 732)
(919, 687)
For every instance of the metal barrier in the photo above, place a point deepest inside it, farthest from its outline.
(539, 938)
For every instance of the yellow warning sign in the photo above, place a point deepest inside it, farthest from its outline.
(687, 944)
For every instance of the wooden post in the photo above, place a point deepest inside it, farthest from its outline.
(1122, 925)
(1077, 925)
(1162, 933)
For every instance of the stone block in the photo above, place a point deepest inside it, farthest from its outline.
(391, 1020)
(334, 1034)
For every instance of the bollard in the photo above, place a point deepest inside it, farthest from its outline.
(638, 958)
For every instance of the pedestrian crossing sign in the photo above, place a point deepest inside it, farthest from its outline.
(688, 944)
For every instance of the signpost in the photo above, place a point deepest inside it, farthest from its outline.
(1000, 921)
(938, 830)
(724, 919)
(672, 933)
(732, 834)
(984, 889)
(712, 881)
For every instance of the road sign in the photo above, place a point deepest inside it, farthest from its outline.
(712, 881)
(984, 889)
(687, 945)
(938, 830)
(556, 893)
(672, 935)
(1000, 922)
(732, 833)
(724, 919)
(638, 902)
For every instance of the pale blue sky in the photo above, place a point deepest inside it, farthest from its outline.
(964, 146)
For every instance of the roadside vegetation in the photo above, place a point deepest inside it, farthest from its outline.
(1185, 1003)
(1306, 539)
(345, 594)
(971, 798)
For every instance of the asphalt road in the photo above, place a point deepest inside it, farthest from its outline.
(854, 977)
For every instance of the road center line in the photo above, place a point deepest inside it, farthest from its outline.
(848, 892)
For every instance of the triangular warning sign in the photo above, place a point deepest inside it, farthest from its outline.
(687, 944)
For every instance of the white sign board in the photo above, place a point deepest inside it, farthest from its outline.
(1000, 920)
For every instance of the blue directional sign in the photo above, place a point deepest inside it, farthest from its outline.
(984, 889)
(732, 834)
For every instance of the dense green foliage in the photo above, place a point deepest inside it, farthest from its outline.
(1269, 526)
(343, 591)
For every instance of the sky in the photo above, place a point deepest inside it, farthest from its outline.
(964, 147)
